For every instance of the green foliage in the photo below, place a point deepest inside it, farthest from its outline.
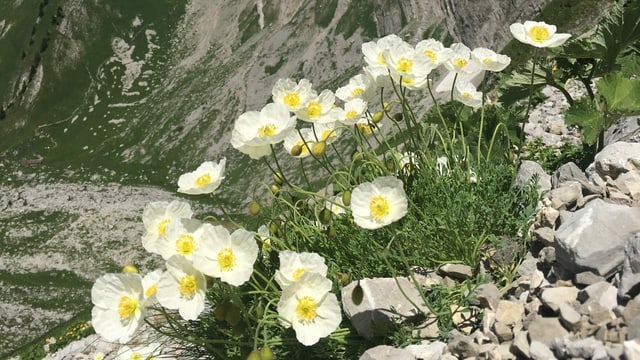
(590, 120)
(359, 15)
(552, 157)
(620, 94)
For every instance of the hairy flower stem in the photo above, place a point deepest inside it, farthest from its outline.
(444, 123)
(453, 85)
(526, 113)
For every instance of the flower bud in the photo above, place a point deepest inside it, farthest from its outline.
(275, 189)
(386, 106)
(355, 156)
(346, 198)
(130, 269)
(318, 149)
(232, 317)
(343, 278)
(398, 117)
(278, 178)
(254, 208)
(266, 353)
(254, 355)
(357, 295)
(296, 150)
(377, 117)
(325, 216)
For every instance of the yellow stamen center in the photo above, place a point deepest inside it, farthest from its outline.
(226, 259)
(431, 55)
(203, 180)
(459, 63)
(327, 134)
(292, 100)
(487, 60)
(162, 226)
(407, 81)
(379, 207)
(267, 130)
(298, 273)
(151, 291)
(405, 65)
(314, 108)
(306, 308)
(127, 307)
(381, 59)
(467, 95)
(357, 92)
(365, 129)
(539, 33)
(351, 114)
(187, 286)
(186, 244)
(136, 356)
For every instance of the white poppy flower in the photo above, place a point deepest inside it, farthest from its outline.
(460, 62)
(373, 50)
(489, 60)
(380, 75)
(119, 306)
(404, 61)
(378, 203)
(335, 205)
(293, 265)
(467, 94)
(435, 52)
(327, 132)
(254, 131)
(182, 287)
(538, 34)
(293, 96)
(204, 180)
(354, 110)
(180, 240)
(310, 308)
(157, 216)
(229, 257)
(360, 86)
(319, 109)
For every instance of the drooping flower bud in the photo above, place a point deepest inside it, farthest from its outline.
(318, 149)
(377, 117)
(254, 208)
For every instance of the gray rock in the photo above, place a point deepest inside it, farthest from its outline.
(509, 312)
(503, 332)
(461, 345)
(630, 278)
(625, 129)
(567, 196)
(628, 183)
(549, 217)
(383, 302)
(427, 350)
(386, 352)
(554, 297)
(540, 351)
(546, 329)
(569, 317)
(598, 314)
(543, 235)
(566, 172)
(595, 238)
(583, 348)
(617, 158)
(520, 344)
(632, 349)
(587, 278)
(488, 296)
(456, 271)
(615, 196)
(528, 169)
(603, 293)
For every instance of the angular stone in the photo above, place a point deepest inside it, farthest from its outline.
(628, 183)
(456, 271)
(632, 349)
(569, 317)
(540, 351)
(622, 130)
(594, 239)
(617, 158)
(549, 216)
(503, 332)
(488, 296)
(571, 172)
(546, 329)
(520, 344)
(630, 278)
(587, 278)
(461, 345)
(526, 173)
(554, 297)
(427, 350)
(599, 315)
(382, 304)
(583, 348)
(566, 196)
(509, 312)
(615, 196)
(602, 292)
(544, 235)
(382, 352)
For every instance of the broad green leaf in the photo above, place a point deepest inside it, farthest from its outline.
(622, 95)
(516, 86)
(585, 115)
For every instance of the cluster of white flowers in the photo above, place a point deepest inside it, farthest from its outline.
(192, 249)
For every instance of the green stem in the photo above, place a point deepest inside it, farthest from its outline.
(526, 113)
